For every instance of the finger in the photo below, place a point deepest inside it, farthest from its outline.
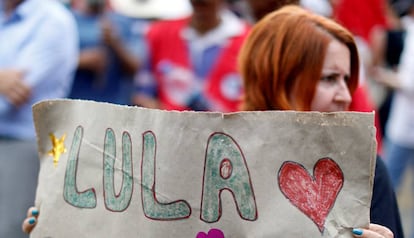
(367, 233)
(32, 212)
(381, 230)
(30, 221)
(17, 99)
(19, 96)
(22, 89)
(364, 233)
(28, 224)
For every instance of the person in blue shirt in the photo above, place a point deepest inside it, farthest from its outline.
(109, 54)
(38, 55)
(38, 52)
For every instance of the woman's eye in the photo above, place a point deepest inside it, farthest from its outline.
(346, 78)
(329, 78)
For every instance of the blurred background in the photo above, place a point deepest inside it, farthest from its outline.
(119, 58)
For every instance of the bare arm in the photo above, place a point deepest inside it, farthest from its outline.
(93, 59)
(13, 87)
(145, 101)
(129, 62)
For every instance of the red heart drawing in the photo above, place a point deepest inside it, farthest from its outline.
(313, 195)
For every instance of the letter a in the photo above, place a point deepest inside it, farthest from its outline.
(153, 209)
(117, 202)
(86, 199)
(225, 168)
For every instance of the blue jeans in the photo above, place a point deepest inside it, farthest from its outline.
(398, 158)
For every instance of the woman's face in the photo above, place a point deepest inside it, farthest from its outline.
(332, 93)
(206, 9)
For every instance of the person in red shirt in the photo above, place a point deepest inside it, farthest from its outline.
(193, 61)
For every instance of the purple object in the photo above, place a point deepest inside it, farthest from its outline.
(213, 233)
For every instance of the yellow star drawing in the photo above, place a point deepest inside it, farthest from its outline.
(58, 148)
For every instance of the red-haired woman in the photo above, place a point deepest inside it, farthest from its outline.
(295, 60)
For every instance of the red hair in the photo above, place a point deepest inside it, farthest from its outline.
(281, 60)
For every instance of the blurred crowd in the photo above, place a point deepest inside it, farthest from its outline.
(176, 55)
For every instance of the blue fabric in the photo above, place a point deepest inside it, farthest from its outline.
(399, 159)
(145, 83)
(113, 85)
(135, 42)
(39, 38)
(202, 64)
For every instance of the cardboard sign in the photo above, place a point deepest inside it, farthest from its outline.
(117, 171)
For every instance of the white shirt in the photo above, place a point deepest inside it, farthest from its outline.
(400, 126)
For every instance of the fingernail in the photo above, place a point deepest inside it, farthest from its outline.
(32, 220)
(357, 232)
(35, 212)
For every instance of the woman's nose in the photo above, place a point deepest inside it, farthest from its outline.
(343, 95)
